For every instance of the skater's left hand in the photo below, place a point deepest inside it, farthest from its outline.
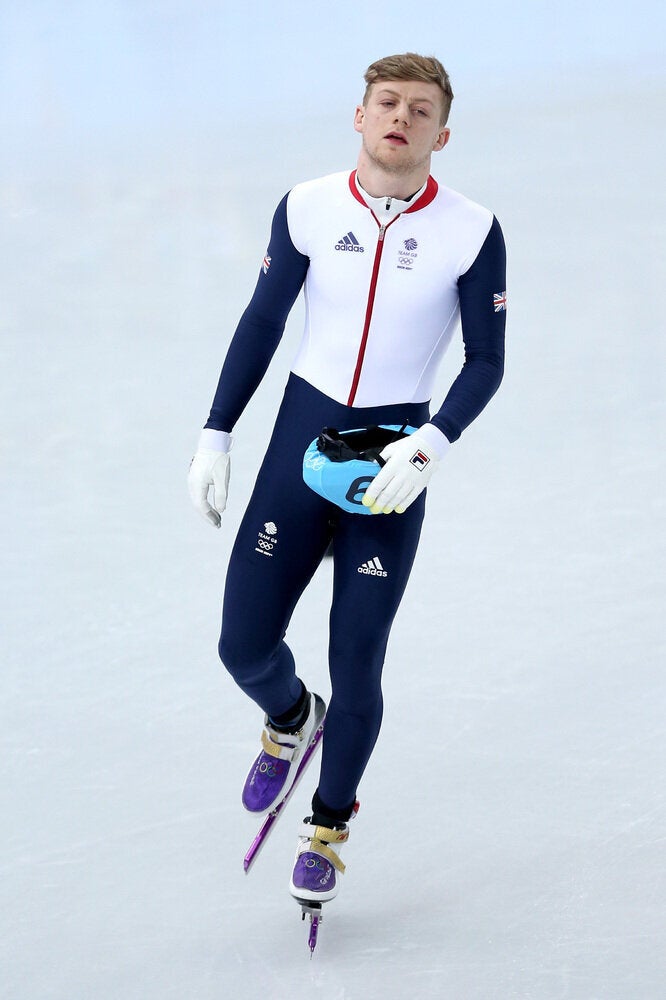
(410, 464)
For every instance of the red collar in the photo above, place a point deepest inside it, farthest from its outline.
(428, 195)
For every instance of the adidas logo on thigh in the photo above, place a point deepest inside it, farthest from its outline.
(372, 568)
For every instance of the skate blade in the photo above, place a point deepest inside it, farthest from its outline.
(313, 910)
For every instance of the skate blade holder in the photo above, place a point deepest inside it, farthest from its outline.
(310, 909)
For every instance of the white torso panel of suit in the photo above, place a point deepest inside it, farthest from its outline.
(381, 292)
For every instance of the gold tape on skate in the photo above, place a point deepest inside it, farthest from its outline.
(274, 749)
(327, 852)
(329, 836)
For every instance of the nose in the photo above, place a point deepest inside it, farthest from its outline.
(402, 114)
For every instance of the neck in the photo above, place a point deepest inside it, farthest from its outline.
(380, 182)
(386, 207)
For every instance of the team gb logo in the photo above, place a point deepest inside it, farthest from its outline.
(407, 254)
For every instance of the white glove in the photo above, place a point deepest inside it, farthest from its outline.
(410, 464)
(210, 467)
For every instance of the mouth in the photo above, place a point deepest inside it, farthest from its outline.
(397, 138)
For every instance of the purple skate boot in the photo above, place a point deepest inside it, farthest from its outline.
(275, 769)
(318, 868)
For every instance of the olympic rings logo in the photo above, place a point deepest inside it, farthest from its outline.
(316, 863)
(265, 545)
(315, 462)
(266, 767)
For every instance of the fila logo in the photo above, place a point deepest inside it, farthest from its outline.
(372, 568)
(419, 460)
(349, 242)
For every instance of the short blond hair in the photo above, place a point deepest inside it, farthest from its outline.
(411, 66)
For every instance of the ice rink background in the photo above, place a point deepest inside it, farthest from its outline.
(511, 838)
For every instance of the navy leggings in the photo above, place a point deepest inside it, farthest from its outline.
(283, 537)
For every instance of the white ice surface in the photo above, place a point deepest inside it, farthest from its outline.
(510, 842)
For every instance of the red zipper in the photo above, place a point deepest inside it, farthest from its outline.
(368, 312)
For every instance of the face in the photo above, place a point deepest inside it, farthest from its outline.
(401, 124)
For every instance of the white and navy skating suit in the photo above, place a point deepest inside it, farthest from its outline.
(385, 282)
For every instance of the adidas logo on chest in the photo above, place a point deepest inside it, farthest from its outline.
(350, 243)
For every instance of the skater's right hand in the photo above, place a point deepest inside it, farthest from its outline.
(210, 467)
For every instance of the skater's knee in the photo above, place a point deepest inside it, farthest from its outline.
(357, 690)
(247, 661)
(365, 651)
(362, 711)
(235, 655)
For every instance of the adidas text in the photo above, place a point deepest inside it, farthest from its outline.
(372, 568)
(349, 242)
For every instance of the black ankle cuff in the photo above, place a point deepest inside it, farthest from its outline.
(323, 815)
(295, 717)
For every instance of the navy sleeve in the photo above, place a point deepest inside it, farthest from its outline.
(482, 294)
(261, 326)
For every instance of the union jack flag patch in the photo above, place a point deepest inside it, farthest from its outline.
(499, 302)
(266, 264)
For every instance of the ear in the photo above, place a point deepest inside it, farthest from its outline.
(359, 115)
(443, 137)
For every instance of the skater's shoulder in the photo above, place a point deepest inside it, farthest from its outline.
(321, 187)
(452, 201)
